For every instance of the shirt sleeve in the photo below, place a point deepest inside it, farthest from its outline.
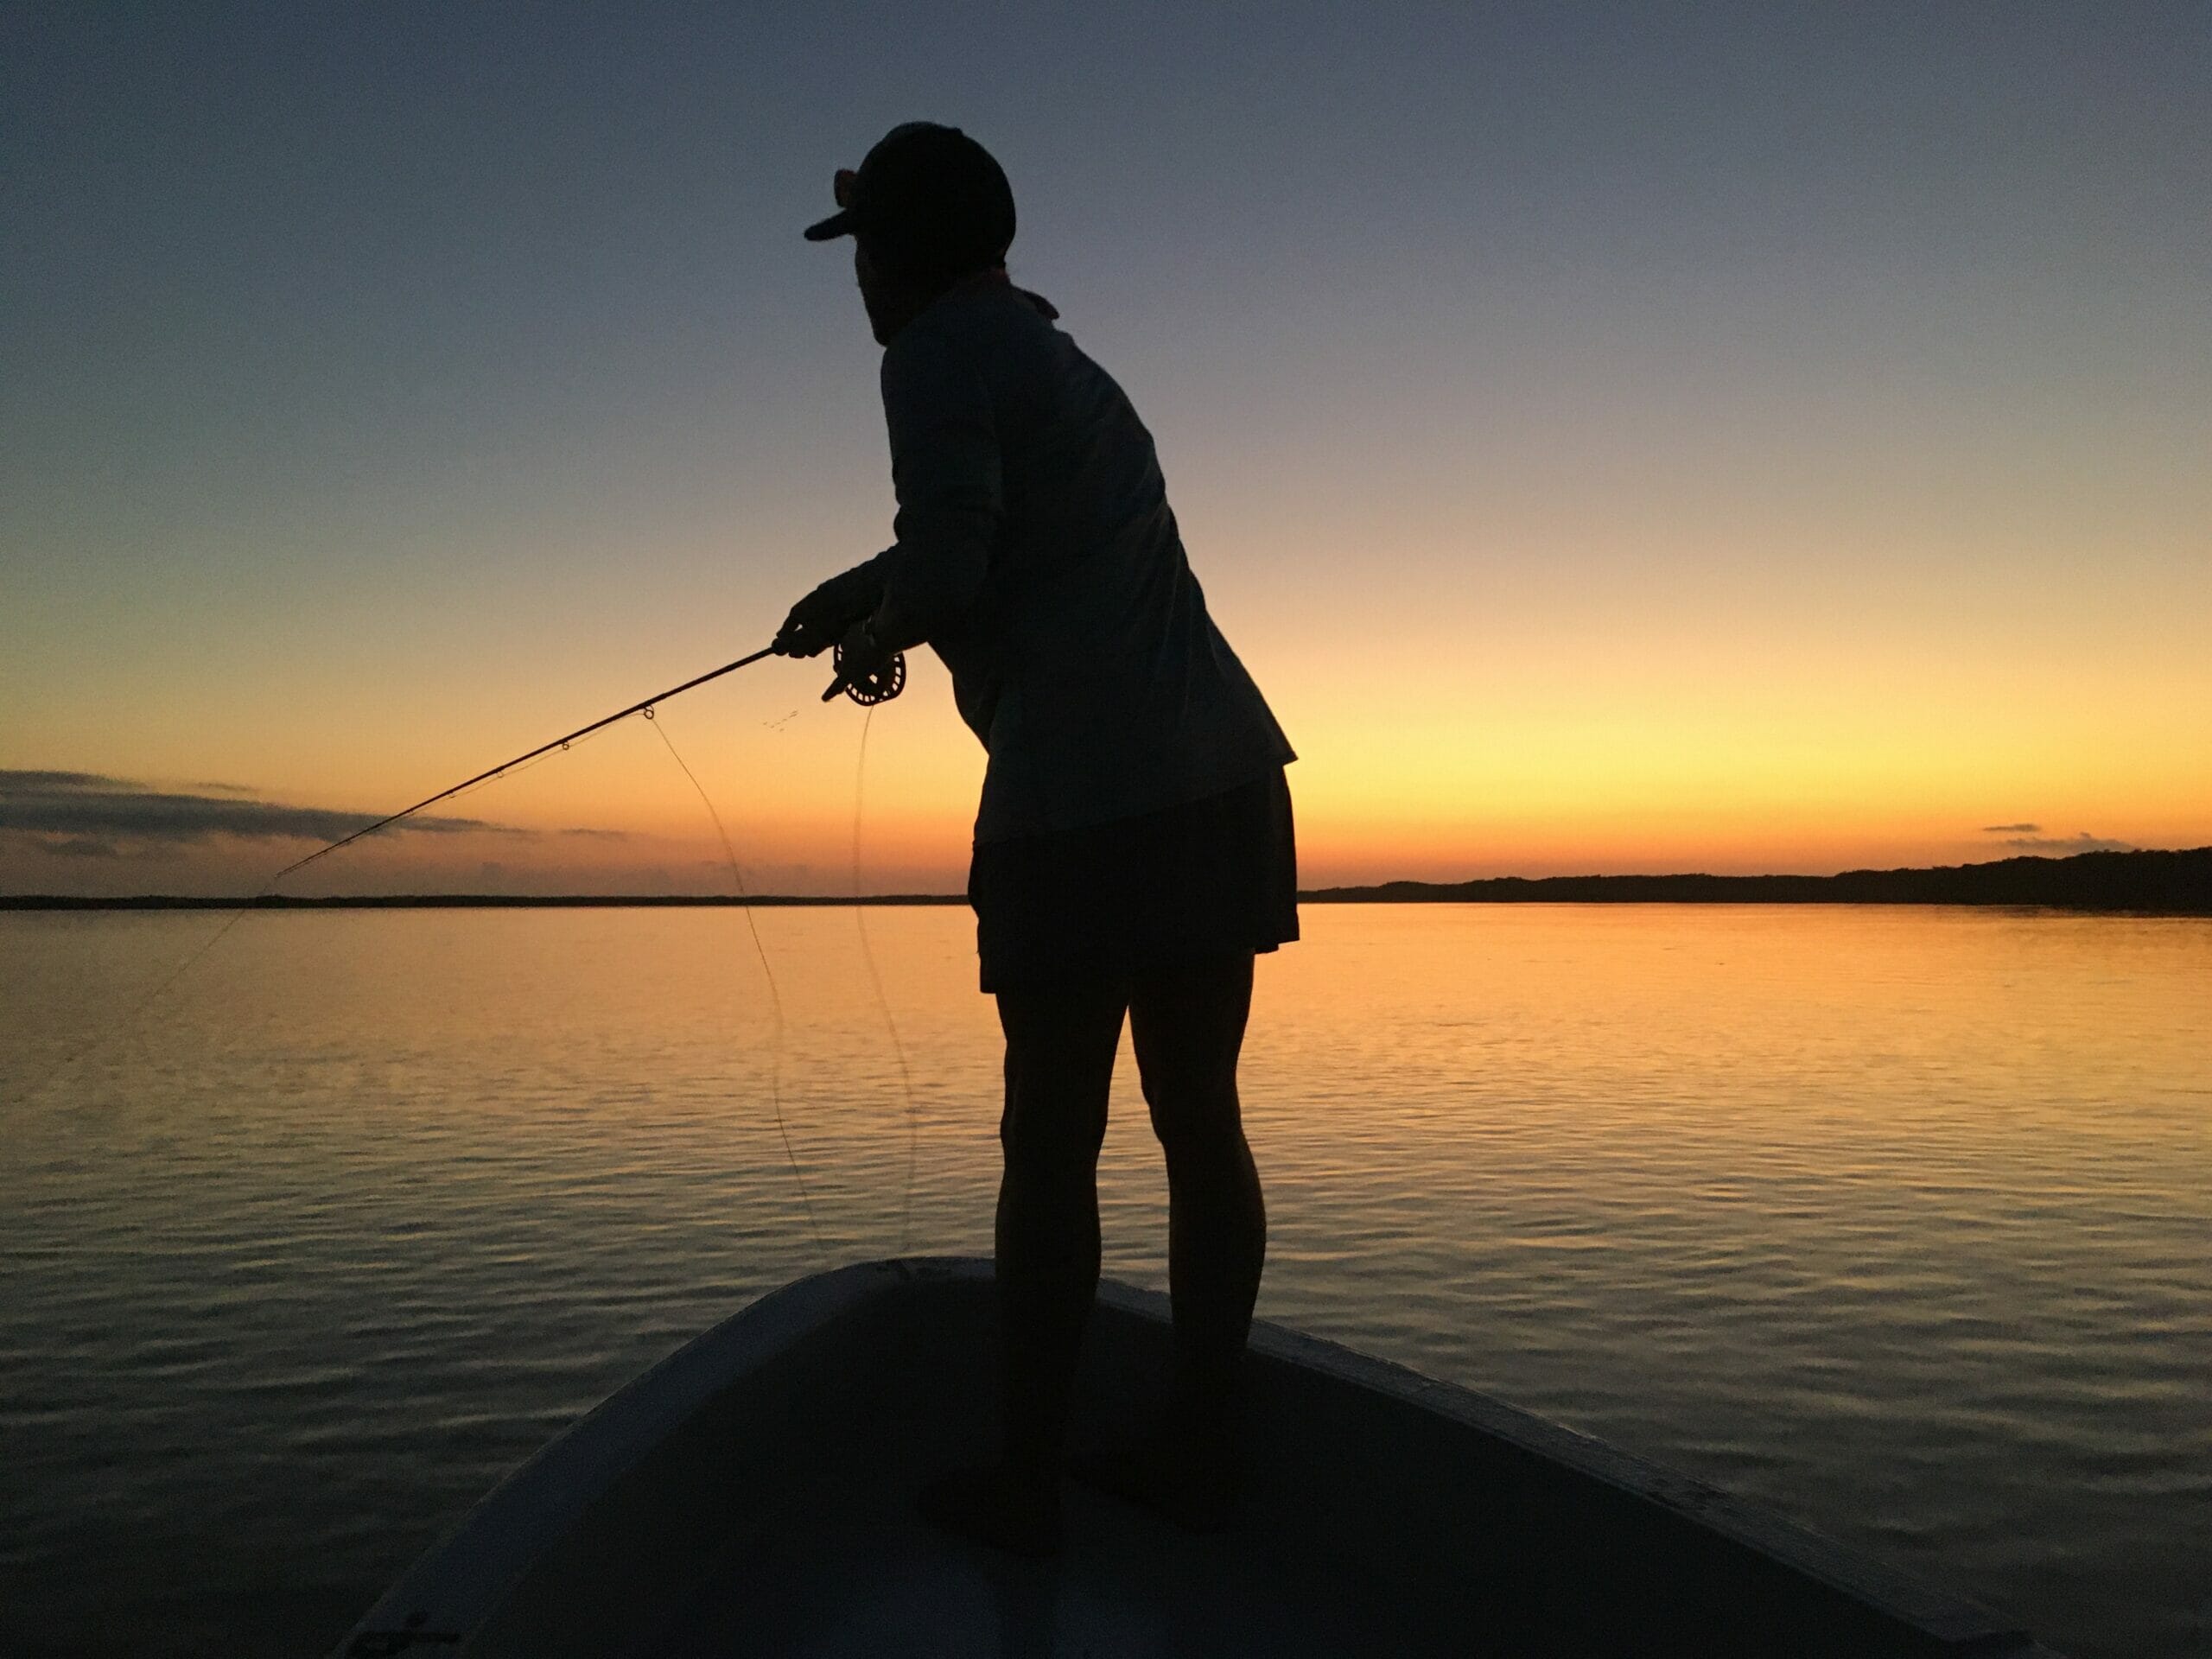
(946, 469)
(856, 592)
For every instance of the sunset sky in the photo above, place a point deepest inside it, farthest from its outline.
(1616, 438)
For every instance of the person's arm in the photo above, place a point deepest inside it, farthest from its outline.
(945, 468)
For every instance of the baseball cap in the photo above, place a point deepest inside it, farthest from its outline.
(928, 200)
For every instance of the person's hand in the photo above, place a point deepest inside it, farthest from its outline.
(823, 618)
(864, 654)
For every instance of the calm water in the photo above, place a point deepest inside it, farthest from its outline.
(1892, 1220)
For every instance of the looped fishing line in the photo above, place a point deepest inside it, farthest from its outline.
(775, 996)
(882, 1003)
(887, 682)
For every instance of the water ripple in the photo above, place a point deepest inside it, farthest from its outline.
(1892, 1221)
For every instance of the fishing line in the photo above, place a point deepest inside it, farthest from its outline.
(883, 1003)
(642, 706)
(878, 684)
(775, 997)
(129, 1022)
(479, 785)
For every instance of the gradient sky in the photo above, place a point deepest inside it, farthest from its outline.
(1631, 438)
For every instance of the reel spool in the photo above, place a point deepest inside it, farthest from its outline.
(882, 686)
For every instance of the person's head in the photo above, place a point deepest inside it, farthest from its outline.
(926, 207)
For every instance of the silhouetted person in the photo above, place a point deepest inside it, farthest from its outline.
(1134, 847)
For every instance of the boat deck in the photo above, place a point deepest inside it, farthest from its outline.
(869, 1582)
(755, 1494)
(843, 1569)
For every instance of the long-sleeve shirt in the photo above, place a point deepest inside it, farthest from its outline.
(1037, 554)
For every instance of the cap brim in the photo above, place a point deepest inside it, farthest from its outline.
(838, 224)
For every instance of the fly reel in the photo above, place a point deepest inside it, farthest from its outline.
(881, 686)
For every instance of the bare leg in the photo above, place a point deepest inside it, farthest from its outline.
(1188, 1024)
(1060, 1043)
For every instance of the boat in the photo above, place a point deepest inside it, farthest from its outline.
(754, 1494)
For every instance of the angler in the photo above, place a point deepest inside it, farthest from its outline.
(1133, 848)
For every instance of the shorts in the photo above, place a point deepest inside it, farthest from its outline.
(1107, 901)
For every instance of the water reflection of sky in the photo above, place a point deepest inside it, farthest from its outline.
(1890, 1220)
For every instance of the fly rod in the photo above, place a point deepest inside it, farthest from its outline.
(881, 686)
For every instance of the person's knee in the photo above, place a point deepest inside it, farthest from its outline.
(1181, 1086)
(1052, 1140)
(1199, 1121)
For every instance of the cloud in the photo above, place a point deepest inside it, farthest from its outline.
(2083, 842)
(58, 780)
(82, 846)
(2030, 838)
(76, 814)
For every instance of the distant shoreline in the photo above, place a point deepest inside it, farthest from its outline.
(474, 901)
(2161, 883)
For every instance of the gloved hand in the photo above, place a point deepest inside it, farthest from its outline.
(829, 614)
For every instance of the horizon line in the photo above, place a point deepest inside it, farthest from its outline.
(1782, 887)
